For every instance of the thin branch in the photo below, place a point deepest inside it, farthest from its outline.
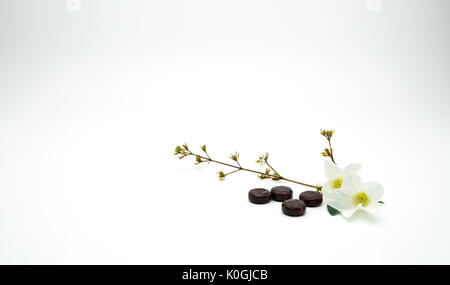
(188, 152)
(328, 151)
(271, 167)
(331, 151)
(233, 172)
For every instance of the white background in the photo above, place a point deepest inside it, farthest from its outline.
(93, 102)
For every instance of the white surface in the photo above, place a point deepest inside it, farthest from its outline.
(92, 104)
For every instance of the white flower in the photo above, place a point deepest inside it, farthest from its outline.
(354, 195)
(335, 175)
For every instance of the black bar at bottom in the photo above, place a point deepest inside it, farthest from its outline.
(223, 274)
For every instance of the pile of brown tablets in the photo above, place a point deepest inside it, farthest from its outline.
(290, 207)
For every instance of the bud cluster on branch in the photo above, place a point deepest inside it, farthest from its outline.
(263, 160)
(328, 151)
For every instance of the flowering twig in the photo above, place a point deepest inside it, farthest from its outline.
(184, 151)
(328, 150)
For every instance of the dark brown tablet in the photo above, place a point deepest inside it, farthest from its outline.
(259, 196)
(281, 193)
(293, 207)
(311, 198)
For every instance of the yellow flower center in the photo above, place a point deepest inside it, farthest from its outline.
(336, 183)
(361, 198)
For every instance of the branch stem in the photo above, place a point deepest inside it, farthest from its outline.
(233, 171)
(331, 152)
(250, 170)
(270, 166)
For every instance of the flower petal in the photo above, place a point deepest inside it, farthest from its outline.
(369, 209)
(326, 188)
(331, 170)
(375, 192)
(340, 200)
(354, 167)
(348, 213)
(352, 183)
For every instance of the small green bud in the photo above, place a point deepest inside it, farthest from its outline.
(235, 156)
(203, 147)
(327, 133)
(326, 152)
(262, 158)
(177, 150)
(180, 152)
(221, 175)
(185, 146)
(276, 176)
